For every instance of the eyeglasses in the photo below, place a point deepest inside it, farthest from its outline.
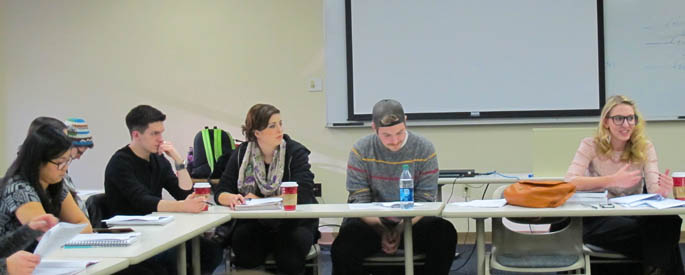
(61, 165)
(618, 120)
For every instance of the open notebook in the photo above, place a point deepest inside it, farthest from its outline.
(138, 220)
(104, 239)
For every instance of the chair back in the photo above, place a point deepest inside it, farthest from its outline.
(97, 210)
(553, 249)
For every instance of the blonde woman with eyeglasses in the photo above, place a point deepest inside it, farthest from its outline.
(621, 160)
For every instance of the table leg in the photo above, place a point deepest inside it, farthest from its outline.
(196, 255)
(181, 259)
(480, 245)
(408, 247)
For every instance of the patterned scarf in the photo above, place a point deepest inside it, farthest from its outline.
(253, 174)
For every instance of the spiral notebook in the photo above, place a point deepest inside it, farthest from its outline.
(104, 239)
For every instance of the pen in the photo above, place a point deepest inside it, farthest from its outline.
(593, 206)
(209, 202)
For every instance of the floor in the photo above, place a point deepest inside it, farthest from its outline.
(464, 264)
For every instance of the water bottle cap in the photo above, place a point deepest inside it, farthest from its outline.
(405, 166)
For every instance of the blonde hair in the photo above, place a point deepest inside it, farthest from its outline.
(636, 147)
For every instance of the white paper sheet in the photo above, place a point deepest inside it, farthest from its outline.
(56, 237)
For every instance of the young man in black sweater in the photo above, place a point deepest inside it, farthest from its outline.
(137, 173)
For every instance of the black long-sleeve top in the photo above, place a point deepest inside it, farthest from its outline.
(133, 186)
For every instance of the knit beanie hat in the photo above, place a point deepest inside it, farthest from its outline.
(77, 130)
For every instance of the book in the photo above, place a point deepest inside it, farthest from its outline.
(138, 220)
(104, 239)
(261, 204)
(56, 237)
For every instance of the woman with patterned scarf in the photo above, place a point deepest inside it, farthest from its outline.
(256, 170)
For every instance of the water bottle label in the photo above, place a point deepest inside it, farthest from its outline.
(406, 194)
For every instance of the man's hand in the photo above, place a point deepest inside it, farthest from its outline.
(22, 263)
(193, 204)
(168, 149)
(390, 241)
(43, 222)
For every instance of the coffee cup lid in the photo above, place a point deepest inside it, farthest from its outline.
(678, 175)
(202, 185)
(289, 184)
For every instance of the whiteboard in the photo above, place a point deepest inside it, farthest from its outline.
(644, 59)
(645, 54)
(449, 56)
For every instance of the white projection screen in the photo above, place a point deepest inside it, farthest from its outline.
(475, 59)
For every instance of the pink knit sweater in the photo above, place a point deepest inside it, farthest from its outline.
(587, 162)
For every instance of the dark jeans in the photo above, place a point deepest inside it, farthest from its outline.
(289, 240)
(436, 237)
(653, 239)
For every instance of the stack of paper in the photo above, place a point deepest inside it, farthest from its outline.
(104, 239)
(261, 204)
(651, 200)
(588, 197)
(58, 267)
(138, 220)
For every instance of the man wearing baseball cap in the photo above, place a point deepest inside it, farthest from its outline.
(373, 169)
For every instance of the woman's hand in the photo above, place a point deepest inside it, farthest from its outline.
(624, 178)
(231, 200)
(664, 184)
(251, 196)
(22, 263)
(43, 222)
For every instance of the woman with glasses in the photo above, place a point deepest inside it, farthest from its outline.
(621, 160)
(33, 185)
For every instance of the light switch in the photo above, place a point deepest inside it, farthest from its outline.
(314, 84)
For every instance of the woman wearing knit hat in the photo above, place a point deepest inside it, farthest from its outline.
(77, 130)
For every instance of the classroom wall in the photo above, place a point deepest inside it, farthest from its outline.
(206, 63)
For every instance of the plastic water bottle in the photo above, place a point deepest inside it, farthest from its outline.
(406, 188)
(190, 155)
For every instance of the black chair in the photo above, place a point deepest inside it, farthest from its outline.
(97, 210)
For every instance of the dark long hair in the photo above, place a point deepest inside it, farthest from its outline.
(40, 146)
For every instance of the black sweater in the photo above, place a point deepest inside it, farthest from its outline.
(297, 168)
(133, 186)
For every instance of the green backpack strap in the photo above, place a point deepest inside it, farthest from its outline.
(217, 144)
(208, 148)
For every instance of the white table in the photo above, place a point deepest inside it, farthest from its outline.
(344, 210)
(105, 266)
(156, 239)
(566, 210)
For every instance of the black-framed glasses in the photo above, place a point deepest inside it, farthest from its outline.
(62, 164)
(618, 120)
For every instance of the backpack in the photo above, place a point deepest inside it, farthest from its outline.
(208, 146)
